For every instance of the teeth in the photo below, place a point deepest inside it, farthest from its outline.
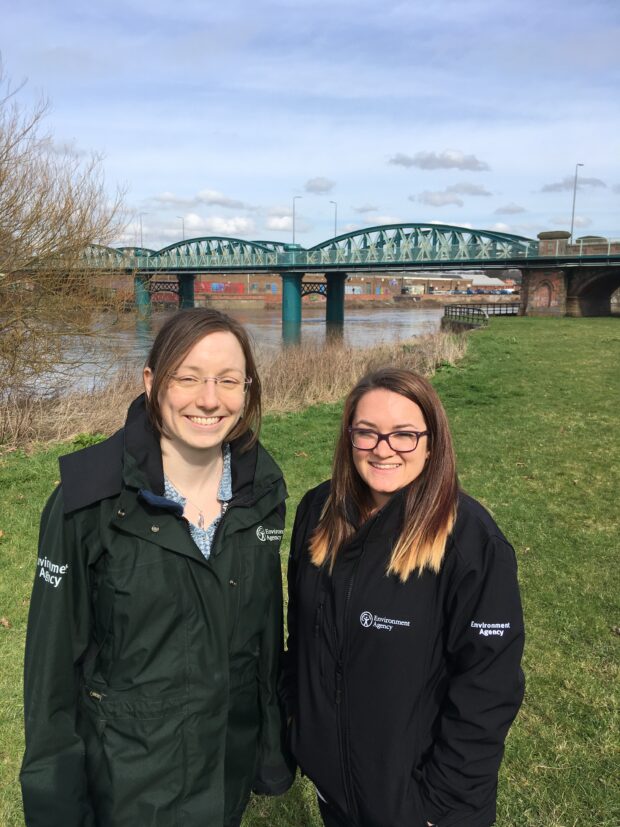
(384, 465)
(204, 420)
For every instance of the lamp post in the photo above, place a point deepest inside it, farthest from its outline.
(335, 203)
(182, 225)
(295, 197)
(141, 236)
(572, 218)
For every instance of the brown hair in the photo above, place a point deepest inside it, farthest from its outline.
(174, 341)
(430, 500)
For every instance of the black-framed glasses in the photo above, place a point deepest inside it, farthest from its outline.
(400, 441)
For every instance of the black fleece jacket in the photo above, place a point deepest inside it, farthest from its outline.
(402, 693)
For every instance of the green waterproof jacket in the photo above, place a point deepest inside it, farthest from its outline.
(150, 678)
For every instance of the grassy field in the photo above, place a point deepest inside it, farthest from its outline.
(534, 409)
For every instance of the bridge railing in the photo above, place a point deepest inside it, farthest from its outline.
(581, 248)
(478, 314)
(503, 309)
(466, 314)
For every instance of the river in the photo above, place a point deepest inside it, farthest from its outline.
(362, 327)
(127, 342)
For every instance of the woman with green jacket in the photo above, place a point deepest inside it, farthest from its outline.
(155, 628)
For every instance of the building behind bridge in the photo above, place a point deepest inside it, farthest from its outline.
(267, 288)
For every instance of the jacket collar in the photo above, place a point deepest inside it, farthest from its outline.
(383, 526)
(132, 457)
(143, 459)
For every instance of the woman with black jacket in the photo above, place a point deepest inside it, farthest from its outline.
(405, 623)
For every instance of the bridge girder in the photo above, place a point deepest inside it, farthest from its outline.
(388, 246)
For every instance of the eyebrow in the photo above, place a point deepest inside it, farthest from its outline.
(406, 426)
(198, 369)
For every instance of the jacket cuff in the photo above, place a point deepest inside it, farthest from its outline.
(274, 780)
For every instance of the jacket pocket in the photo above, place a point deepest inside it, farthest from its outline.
(135, 760)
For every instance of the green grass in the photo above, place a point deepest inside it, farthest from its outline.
(534, 412)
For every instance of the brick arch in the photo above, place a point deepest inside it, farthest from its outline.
(591, 295)
(542, 295)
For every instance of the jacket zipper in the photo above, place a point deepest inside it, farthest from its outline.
(318, 625)
(341, 701)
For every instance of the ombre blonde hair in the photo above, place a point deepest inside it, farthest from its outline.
(429, 501)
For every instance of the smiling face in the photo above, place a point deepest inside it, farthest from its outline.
(200, 418)
(383, 469)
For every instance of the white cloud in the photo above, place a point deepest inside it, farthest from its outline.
(510, 209)
(365, 208)
(211, 198)
(438, 199)
(377, 220)
(467, 188)
(448, 159)
(217, 225)
(616, 188)
(567, 184)
(217, 199)
(279, 222)
(451, 194)
(319, 185)
(500, 227)
(169, 199)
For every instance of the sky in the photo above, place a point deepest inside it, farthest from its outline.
(226, 118)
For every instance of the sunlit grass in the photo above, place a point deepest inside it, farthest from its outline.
(534, 411)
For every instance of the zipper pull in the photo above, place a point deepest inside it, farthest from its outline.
(97, 696)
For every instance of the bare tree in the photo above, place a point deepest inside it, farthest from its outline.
(54, 217)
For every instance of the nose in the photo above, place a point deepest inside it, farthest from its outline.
(383, 449)
(207, 395)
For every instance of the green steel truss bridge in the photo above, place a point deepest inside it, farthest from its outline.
(387, 246)
(593, 264)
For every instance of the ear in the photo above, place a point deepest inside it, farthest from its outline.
(147, 378)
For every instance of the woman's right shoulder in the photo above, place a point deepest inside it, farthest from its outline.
(307, 516)
(93, 473)
(314, 499)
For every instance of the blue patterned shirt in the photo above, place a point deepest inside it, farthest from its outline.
(203, 537)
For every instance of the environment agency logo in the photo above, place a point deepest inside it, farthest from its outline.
(366, 619)
(383, 624)
(269, 535)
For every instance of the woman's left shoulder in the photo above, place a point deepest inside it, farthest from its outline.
(476, 535)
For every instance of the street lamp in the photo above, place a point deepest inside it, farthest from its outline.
(182, 225)
(295, 197)
(141, 237)
(335, 203)
(572, 219)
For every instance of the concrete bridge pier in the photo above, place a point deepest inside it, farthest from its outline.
(334, 313)
(186, 290)
(291, 307)
(142, 296)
